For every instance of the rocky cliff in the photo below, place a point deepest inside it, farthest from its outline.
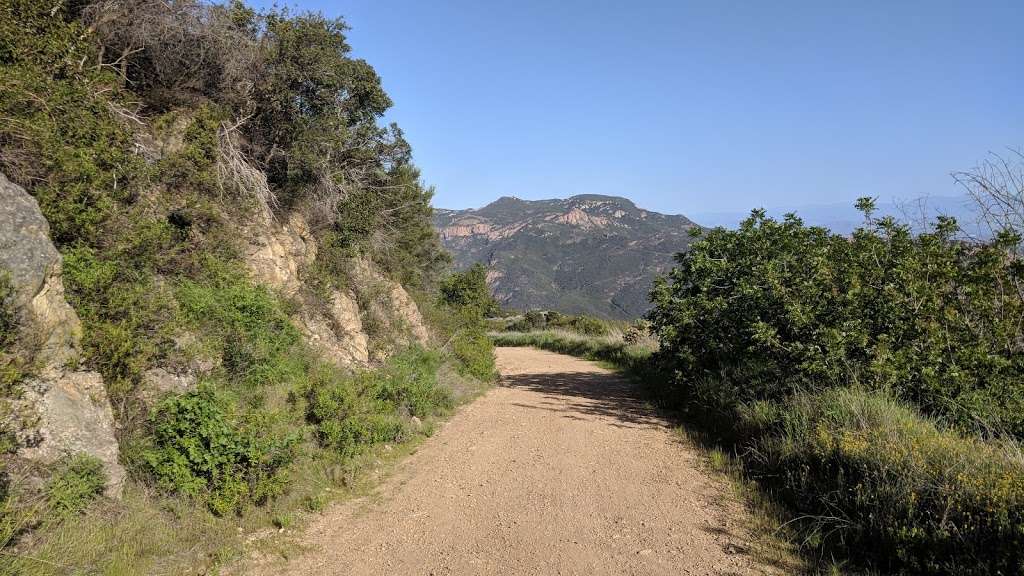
(62, 410)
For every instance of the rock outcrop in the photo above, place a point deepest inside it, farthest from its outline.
(391, 304)
(71, 408)
(277, 253)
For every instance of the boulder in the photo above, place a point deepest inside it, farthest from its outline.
(71, 411)
(33, 264)
(74, 417)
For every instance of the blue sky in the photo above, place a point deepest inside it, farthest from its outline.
(690, 107)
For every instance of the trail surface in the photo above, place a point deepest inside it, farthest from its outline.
(559, 470)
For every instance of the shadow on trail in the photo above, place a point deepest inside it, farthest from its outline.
(583, 395)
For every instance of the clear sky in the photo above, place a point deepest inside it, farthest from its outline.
(689, 107)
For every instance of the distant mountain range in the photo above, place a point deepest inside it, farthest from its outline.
(586, 254)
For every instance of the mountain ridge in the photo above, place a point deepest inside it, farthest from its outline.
(588, 253)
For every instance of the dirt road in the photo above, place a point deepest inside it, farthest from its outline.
(559, 470)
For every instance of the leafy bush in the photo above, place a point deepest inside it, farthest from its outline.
(60, 137)
(202, 447)
(468, 290)
(78, 480)
(588, 326)
(474, 354)
(813, 353)
(871, 478)
(465, 302)
(350, 414)
(776, 307)
(257, 342)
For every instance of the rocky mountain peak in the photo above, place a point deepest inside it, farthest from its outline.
(589, 253)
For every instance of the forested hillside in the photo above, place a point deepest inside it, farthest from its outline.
(252, 273)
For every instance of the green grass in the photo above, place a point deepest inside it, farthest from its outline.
(633, 359)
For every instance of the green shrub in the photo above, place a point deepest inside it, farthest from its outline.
(467, 290)
(474, 354)
(257, 342)
(203, 447)
(588, 326)
(409, 383)
(464, 302)
(77, 481)
(351, 414)
(777, 307)
(869, 477)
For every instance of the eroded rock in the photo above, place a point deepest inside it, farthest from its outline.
(277, 252)
(393, 304)
(70, 409)
(74, 417)
(338, 331)
(28, 256)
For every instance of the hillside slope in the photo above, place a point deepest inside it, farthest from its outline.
(585, 254)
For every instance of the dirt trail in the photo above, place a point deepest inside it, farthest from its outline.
(557, 471)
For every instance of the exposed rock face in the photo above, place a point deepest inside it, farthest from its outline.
(586, 254)
(337, 332)
(277, 253)
(393, 304)
(74, 417)
(33, 263)
(72, 411)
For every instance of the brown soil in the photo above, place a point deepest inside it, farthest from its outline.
(559, 470)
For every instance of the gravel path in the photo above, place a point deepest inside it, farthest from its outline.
(559, 470)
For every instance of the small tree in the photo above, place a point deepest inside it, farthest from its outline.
(468, 290)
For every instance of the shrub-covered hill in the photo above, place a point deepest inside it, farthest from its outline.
(217, 259)
(588, 254)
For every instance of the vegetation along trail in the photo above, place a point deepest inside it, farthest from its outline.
(559, 470)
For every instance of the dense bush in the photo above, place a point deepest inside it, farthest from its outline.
(814, 354)
(777, 307)
(245, 323)
(204, 447)
(351, 414)
(468, 290)
(78, 480)
(465, 301)
(871, 478)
